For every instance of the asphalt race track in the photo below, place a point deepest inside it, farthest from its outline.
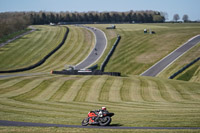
(22, 75)
(96, 53)
(30, 124)
(100, 46)
(165, 62)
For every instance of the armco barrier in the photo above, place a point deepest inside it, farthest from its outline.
(185, 67)
(103, 65)
(42, 60)
(76, 72)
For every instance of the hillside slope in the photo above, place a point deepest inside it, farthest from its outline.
(30, 48)
(136, 101)
(137, 51)
(33, 47)
(190, 74)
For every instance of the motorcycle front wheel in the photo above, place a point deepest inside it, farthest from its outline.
(85, 122)
(105, 121)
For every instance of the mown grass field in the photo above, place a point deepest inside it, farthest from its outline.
(33, 47)
(137, 51)
(30, 48)
(191, 74)
(135, 100)
(78, 130)
(10, 36)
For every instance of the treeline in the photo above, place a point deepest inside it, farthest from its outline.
(15, 21)
(98, 17)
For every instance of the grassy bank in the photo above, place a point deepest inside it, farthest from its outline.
(10, 36)
(30, 48)
(137, 51)
(136, 101)
(33, 47)
(190, 74)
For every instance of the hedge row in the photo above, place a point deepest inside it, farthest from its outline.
(185, 67)
(103, 65)
(42, 60)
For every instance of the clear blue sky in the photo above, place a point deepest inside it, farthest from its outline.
(189, 7)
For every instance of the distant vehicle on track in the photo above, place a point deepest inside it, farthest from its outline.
(112, 27)
(52, 24)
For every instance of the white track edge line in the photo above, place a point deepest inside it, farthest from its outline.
(170, 54)
(94, 48)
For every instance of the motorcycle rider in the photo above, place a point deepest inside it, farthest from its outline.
(99, 113)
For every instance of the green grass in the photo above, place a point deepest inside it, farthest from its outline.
(137, 51)
(111, 36)
(33, 47)
(82, 130)
(135, 100)
(30, 48)
(190, 74)
(78, 130)
(12, 35)
(76, 48)
(196, 76)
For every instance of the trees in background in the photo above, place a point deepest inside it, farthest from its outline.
(185, 18)
(12, 22)
(165, 15)
(15, 21)
(176, 17)
(98, 17)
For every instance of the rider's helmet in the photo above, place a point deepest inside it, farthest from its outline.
(103, 108)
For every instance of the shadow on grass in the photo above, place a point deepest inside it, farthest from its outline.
(124, 75)
(115, 125)
(111, 125)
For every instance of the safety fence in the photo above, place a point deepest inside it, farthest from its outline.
(182, 69)
(77, 72)
(42, 60)
(103, 65)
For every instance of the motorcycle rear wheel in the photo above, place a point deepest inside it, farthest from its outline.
(105, 121)
(85, 122)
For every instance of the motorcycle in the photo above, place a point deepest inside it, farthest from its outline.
(98, 118)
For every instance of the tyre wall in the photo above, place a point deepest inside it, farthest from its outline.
(184, 68)
(76, 72)
(103, 65)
